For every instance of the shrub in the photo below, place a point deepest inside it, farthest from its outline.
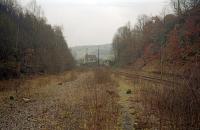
(128, 91)
(102, 76)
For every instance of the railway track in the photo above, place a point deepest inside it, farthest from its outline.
(155, 79)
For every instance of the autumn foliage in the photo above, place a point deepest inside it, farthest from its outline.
(152, 36)
(174, 41)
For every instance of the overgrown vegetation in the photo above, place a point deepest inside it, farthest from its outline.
(168, 107)
(100, 110)
(174, 41)
(28, 44)
(102, 76)
(80, 104)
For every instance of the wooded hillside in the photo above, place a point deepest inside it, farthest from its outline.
(170, 38)
(166, 46)
(28, 44)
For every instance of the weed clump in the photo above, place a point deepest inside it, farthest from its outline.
(169, 106)
(102, 76)
(12, 98)
(128, 91)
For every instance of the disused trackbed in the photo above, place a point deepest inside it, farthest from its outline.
(147, 78)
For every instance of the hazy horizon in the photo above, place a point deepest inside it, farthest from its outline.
(94, 22)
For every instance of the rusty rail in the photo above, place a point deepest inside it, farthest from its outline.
(130, 76)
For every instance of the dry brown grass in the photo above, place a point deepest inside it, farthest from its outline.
(6, 85)
(102, 75)
(28, 86)
(97, 108)
(72, 100)
(38, 80)
(168, 107)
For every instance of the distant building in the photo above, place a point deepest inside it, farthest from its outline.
(90, 59)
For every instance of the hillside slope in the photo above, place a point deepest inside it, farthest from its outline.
(162, 45)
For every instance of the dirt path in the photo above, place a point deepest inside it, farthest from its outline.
(126, 118)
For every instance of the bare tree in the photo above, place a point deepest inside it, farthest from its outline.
(182, 6)
(141, 21)
(35, 9)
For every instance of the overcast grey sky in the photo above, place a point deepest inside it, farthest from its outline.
(88, 22)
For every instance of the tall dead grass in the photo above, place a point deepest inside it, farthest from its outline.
(29, 86)
(102, 75)
(174, 107)
(98, 109)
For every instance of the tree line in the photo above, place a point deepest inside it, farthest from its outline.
(175, 33)
(28, 44)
